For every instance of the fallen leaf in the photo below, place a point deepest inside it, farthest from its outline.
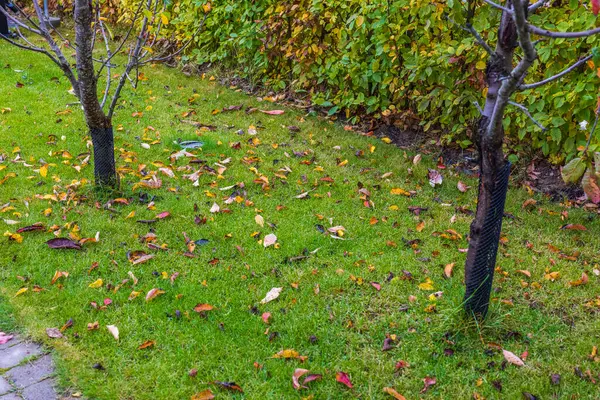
(428, 382)
(153, 293)
(54, 333)
(448, 270)
(259, 220)
(435, 178)
(63, 243)
(581, 281)
(574, 227)
(344, 379)
(272, 295)
(512, 358)
(269, 240)
(202, 307)
(393, 393)
(462, 186)
(215, 208)
(113, 331)
(4, 338)
(96, 284)
(146, 344)
(288, 354)
(203, 395)
(297, 374)
(230, 386)
(272, 112)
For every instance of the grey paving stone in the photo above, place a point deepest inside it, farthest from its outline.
(14, 355)
(10, 343)
(4, 386)
(30, 373)
(43, 390)
(10, 396)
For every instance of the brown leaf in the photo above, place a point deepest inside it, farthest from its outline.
(54, 333)
(528, 203)
(203, 395)
(581, 281)
(574, 227)
(146, 344)
(448, 270)
(203, 307)
(393, 393)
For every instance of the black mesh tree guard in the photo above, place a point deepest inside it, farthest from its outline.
(104, 157)
(479, 279)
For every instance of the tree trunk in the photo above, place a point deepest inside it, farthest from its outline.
(99, 125)
(105, 172)
(493, 179)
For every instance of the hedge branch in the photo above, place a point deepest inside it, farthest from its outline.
(562, 73)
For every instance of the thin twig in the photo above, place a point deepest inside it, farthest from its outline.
(567, 35)
(562, 73)
(587, 145)
(526, 112)
(498, 6)
(532, 8)
(108, 69)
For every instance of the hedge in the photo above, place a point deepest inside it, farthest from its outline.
(394, 59)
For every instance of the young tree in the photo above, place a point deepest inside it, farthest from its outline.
(505, 75)
(142, 32)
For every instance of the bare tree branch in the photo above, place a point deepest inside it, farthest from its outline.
(498, 6)
(587, 145)
(562, 73)
(532, 8)
(518, 73)
(18, 23)
(133, 61)
(108, 69)
(567, 35)
(526, 112)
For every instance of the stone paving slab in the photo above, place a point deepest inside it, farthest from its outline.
(11, 396)
(30, 373)
(43, 390)
(14, 355)
(15, 340)
(5, 387)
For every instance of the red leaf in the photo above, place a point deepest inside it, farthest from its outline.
(343, 378)
(376, 285)
(595, 6)
(574, 227)
(590, 184)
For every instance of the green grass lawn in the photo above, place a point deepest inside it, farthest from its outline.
(328, 310)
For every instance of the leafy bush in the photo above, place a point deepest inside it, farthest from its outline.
(394, 58)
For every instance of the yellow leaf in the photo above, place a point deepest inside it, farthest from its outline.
(164, 19)
(207, 7)
(44, 170)
(21, 291)
(400, 192)
(480, 65)
(96, 284)
(130, 215)
(420, 226)
(427, 285)
(359, 21)
(386, 140)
